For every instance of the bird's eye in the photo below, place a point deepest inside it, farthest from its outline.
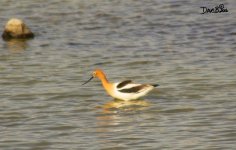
(94, 74)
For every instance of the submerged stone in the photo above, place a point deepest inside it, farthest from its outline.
(16, 28)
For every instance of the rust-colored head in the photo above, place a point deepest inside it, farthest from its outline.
(98, 73)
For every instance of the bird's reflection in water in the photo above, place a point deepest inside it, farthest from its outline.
(16, 45)
(117, 105)
(116, 116)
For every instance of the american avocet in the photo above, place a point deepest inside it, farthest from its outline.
(125, 90)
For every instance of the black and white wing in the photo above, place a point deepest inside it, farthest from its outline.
(129, 87)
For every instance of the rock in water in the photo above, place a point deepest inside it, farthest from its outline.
(16, 28)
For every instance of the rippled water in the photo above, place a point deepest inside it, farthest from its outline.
(192, 56)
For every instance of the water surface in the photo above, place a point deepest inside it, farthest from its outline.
(192, 56)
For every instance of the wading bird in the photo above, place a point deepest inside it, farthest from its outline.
(125, 90)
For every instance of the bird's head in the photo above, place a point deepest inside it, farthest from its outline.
(98, 73)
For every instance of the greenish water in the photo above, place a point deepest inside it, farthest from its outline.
(192, 56)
